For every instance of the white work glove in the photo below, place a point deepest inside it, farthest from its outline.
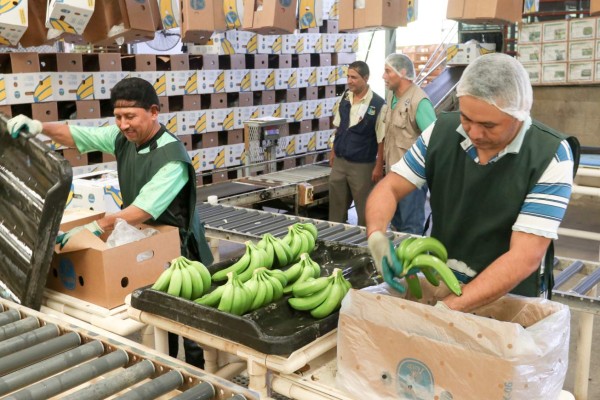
(442, 306)
(23, 124)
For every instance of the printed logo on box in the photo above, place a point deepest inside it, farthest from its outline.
(66, 273)
(414, 380)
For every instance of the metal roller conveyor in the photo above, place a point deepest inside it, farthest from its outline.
(50, 359)
(576, 284)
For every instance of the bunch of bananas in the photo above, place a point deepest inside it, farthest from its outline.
(265, 286)
(276, 249)
(427, 255)
(184, 278)
(253, 258)
(300, 272)
(321, 296)
(235, 298)
(301, 238)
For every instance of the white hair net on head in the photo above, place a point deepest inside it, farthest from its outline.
(500, 80)
(398, 62)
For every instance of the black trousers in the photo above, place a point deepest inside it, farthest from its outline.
(194, 354)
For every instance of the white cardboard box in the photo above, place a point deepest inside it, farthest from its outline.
(554, 72)
(103, 83)
(286, 78)
(234, 155)
(70, 16)
(597, 74)
(534, 71)
(30, 87)
(98, 191)
(238, 80)
(13, 22)
(295, 111)
(582, 29)
(270, 44)
(530, 33)
(169, 120)
(530, 53)
(555, 31)
(324, 138)
(212, 158)
(182, 82)
(581, 50)
(552, 52)
(582, 71)
(210, 80)
(465, 53)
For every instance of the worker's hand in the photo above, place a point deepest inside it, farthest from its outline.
(331, 157)
(23, 124)
(93, 227)
(382, 251)
(377, 173)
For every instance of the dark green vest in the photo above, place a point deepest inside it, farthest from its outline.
(475, 206)
(136, 170)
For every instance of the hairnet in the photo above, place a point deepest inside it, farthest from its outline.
(500, 80)
(398, 62)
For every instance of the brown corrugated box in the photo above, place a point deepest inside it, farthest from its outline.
(198, 24)
(275, 16)
(479, 11)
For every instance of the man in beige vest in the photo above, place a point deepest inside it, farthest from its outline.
(410, 112)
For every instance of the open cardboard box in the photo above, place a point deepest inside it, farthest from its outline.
(374, 14)
(271, 17)
(86, 268)
(485, 11)
(513, 348)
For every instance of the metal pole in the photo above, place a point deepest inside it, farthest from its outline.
(9, 316)
(46, 368)
(73, 377)
(155, 388)
(109, 386)
(203, 391)
(28, 339)
(38, 352)
(18, 327)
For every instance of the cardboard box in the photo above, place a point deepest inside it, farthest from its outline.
(272, 17)
(555, 31)
(97, 191)
(36, 33)
(535, 72)
(553, 73)
(465, 53)
(594, 7)
(235, 155)
(479, 11)
(597, 73)
(86, 268)
(582, 50)
(69, 16)
(410, 349)
(582, 29)
(181, 82)
(13, 22)
(28, 88)
(530, 33)
(372, 14)
(598, 47)
(310, 14)
(554, 52)
(580, 72)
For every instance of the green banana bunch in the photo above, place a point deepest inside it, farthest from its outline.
(253, 258)
(266, 287)
(277, 250)
(427, 255)
(321, 296)
(235, 298)
(301, 271)
(184, 278)
(301, 238)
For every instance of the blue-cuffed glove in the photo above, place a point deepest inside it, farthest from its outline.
(383, 249)
(93, 227)
(22, 124)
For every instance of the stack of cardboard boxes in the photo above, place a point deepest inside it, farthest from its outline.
(561, 52)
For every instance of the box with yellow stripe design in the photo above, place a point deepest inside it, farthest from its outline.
(234, 154)
(262, 77)
(219, 119)
(310, 42)
(302, 141)
(291, 45)
(330, 9)
(182, 82)
(212, 158)
(196, 121)
(69, 16)
(2, 90)
(169, 120)
(350, 43)
(270, 44)
(286, 78)
(310, 13)
(294, 112)
(238, 80)
(158, 79)
(313, 109)
(248, 113)
(207, 79)
(31, 87)
(13, 21)
(103, 83)
(323, 139)
(185, 122)
(326, 75)
(331, 105)
(286, 146)
(196, 157)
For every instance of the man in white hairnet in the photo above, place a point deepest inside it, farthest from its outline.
(410, 113)
(500, 183)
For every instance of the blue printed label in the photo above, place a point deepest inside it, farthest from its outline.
(66, 273)
(414, 380)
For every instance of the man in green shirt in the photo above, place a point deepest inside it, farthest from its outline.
(156, 177)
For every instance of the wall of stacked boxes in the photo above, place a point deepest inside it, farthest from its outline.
(561, 52)
(205, 98)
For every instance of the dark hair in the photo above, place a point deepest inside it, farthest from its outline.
(361, 67)
(136, 90)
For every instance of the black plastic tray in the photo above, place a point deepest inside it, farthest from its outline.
(34, 187)
(276, 328)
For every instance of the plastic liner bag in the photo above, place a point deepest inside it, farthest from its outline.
(125, 233)
(514, 348)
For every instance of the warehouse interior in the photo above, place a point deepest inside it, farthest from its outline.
(253, 94)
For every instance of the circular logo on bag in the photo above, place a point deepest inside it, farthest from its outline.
(285, 3)
(198, 4)
(66, 273)
(414, 380)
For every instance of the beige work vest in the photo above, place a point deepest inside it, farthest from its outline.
(401, 129)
